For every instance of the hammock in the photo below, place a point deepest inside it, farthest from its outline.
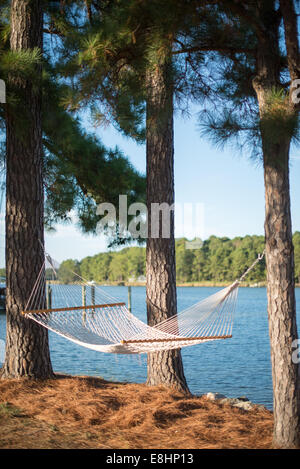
(86, 315)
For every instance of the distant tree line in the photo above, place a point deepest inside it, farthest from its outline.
(218, 260)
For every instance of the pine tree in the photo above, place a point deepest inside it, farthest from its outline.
(80, 172)
(275, 113)
(256, 99)
(27, 351)
(46, 146)
(125, 61)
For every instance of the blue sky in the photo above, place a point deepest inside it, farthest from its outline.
(229, 185)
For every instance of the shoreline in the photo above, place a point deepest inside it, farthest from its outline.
(207, 283)
(193, 284)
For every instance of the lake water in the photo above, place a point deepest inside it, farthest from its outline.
(235, 367)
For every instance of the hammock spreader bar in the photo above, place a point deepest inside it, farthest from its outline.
(141, 341)
(71, 308)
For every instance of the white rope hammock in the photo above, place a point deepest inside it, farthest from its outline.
(85, 314)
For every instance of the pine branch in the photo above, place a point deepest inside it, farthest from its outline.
(239, 9)
(212, 48)
(53, 31)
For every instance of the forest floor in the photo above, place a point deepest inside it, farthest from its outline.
(88, 412)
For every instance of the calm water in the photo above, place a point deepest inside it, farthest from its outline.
(235, 367)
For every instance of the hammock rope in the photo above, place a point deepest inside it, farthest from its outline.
(87, 315)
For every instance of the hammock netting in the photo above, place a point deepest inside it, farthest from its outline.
(87, 315)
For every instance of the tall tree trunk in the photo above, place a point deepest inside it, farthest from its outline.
(281, 301)
(278, 234)
(27, 350)
(163, 367)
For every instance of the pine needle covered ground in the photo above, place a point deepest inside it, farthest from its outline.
(86, 412)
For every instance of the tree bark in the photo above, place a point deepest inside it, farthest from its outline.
(27, 351)
(290, 21)
(281, 302)
(279, 246)
(164, 368)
